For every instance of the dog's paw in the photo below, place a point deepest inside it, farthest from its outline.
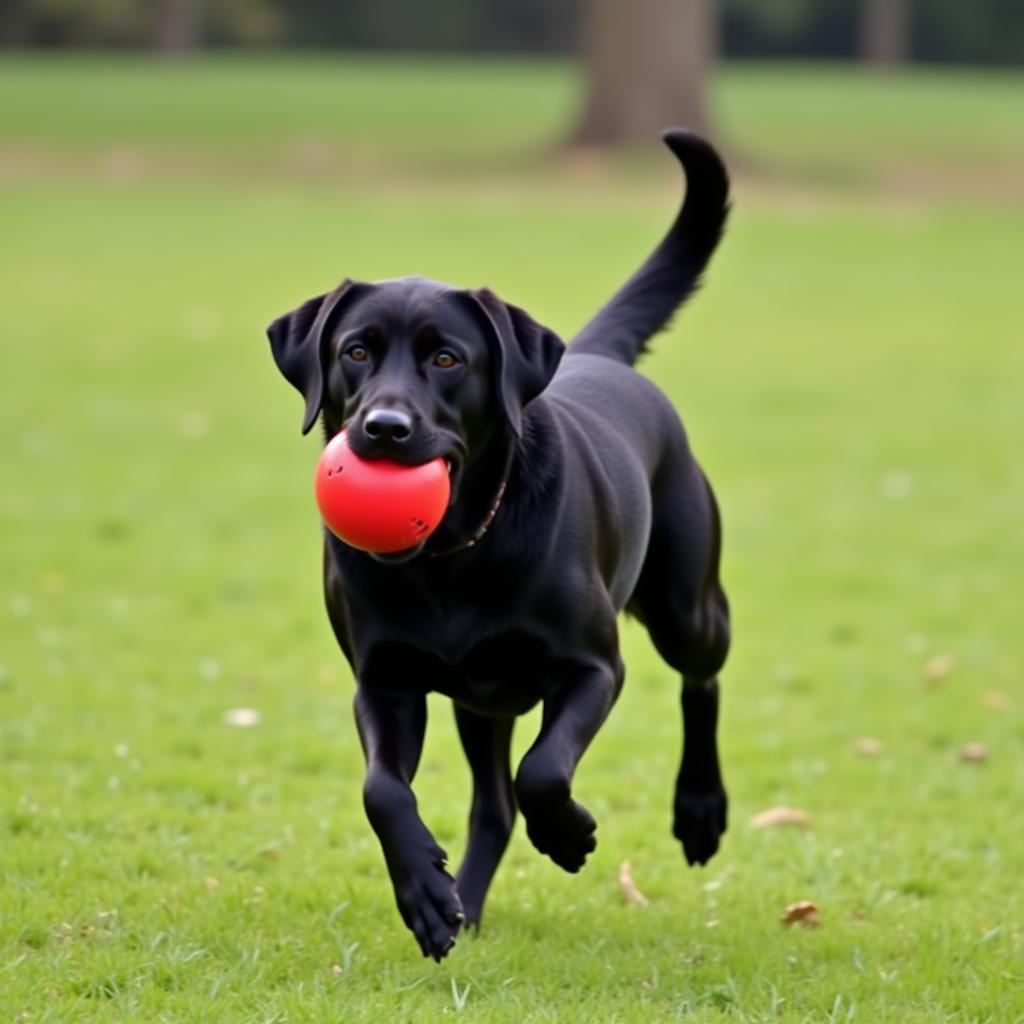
(430, 906)
(700, 820)
(565, 833)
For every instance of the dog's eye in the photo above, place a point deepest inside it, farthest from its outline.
(357, 353)
(445, 360)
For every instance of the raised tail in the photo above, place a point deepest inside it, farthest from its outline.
(645, 303)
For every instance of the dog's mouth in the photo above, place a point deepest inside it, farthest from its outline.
(413, 453)
(397, 557)
(454, 465)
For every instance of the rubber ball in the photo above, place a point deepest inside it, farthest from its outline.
(377, 505)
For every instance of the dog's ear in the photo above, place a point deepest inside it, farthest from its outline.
(297, 340)
(524, 353)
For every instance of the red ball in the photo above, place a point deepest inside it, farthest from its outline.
(376, 505)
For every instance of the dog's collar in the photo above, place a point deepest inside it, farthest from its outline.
(475, 537)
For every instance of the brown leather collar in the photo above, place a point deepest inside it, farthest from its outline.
(475, 537)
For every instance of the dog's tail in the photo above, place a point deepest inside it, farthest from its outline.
(645, 303)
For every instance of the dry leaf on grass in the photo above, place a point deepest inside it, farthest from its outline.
(938, 668)
(256, 895)
(776, 817)
(242, 718)
(868, 746)
(628, 887)
(194, 426)
(804, 913)
(974, 753)
(996, 700)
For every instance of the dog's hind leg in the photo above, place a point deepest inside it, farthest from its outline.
(700, 807)
(486, 742)
(685, 610)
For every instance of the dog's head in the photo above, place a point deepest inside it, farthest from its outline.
(414, 369)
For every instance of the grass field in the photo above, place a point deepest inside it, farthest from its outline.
(851, 376)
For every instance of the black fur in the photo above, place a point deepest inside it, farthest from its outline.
(604, 509)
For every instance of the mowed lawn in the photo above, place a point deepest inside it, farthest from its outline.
(851, 375)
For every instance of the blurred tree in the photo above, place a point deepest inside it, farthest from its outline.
(976, 31)
(177, 26)
(15, 23)
(258, 22)
(173, 26)
(981, 31)
(516, 26)
(64, 22)
(537, 26)
(790, 28)
(647, 66)
(885, 31)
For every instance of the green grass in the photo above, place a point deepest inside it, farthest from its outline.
(851, 376)
(346, 115)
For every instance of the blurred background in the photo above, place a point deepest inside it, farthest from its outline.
(174, 174)
(986, 32)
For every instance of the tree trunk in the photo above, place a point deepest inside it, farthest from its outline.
(176, 26)
(647, 64)
(885, 31)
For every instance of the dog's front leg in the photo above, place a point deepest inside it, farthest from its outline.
(391, 728)
(573, 712)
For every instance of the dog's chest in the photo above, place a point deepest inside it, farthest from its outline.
(491, 641)
(502, 674)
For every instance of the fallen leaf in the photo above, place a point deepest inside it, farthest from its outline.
(996, 700)
(336, 969)
(803, 913)
(212, 883)
(54, 583)
(775, 817)
(897, 485)
(868, 746)
(974, 753)
(256, 895)
(628, 887)
(242, 718)
(938, 668)
(194, 426)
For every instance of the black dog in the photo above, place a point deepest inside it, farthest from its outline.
(574, 496)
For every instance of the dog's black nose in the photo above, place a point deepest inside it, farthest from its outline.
(388, 425)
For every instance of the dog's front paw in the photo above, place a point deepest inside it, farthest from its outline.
(699, 822)
(565, 833)
(429, 904)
